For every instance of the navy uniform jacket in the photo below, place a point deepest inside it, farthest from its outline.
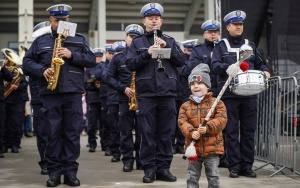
(100, 70)
(92, 92)
(71, 78)
(17, 96)
(184, 90)
(149, 82)
(222, 59)
(7, 76)
(118, 76)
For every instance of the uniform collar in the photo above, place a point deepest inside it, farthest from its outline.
(235, 40)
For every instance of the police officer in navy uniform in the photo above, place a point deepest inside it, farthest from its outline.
(113, 107)
(92, 88)
(62, 107)
(36, 102)
(104, 129)
(7, 76)
(183, 93)
(202, 53)
(119, 77)
(14, 110)
(156, 92)
(241, 110)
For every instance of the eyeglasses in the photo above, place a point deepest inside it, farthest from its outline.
(195, 78)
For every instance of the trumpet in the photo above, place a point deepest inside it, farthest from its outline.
(160, 67)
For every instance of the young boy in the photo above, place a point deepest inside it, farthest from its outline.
(208, 139)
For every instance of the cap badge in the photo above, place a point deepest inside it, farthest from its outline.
(238, 13)
(135, 28)
(152, 5)
(61, 8)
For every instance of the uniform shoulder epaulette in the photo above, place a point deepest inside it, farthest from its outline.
(78, 34)
(167, 36)
(43, 35)
(198, 45)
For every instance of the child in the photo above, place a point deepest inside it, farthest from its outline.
(208, 139)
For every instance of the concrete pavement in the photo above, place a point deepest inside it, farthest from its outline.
(96, 171)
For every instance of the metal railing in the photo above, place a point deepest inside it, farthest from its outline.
(276, 135)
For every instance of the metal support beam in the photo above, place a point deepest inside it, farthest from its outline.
(191, 15)
(93, 15)
(209, 9)
(25, 13)
(101, 23)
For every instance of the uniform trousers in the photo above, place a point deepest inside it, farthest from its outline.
(14, 119)
(63, 117)
(104, 129)
(129, 143)
(113, 122)
(156, 119)
(41, 137)
(240, 130)
(94, 115)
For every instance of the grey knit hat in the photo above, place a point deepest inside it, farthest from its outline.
(200, 74)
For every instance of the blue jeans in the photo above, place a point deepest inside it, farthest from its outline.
(211, 164)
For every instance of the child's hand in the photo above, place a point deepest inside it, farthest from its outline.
(195, 135)
(202, 130)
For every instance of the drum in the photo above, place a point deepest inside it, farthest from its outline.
(251, 82)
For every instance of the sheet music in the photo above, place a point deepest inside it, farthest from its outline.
(161, 53)
(71, 27)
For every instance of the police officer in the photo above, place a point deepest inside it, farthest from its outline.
(62, 107)
(105, 129)
(202, 53)
(92, 88)
(113, 107)
(7, 76)
(183, 94)
(119, 77)
(14, 108)
(36, 102)
(241, 110)
(156, 91)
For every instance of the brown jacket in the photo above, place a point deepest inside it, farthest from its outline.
(192, 114)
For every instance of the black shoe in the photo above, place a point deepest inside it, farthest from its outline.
(71, 181)
(1, 155)
(15, 149)
(248, 173)
(115, 159)
(92, 149)
(28, 134)
(53, 181)
(44, 171)
(128, 167)
(180, 150)
(234, 173)
(107, 152)
(224, 163)
(165, 176)
(149, 177)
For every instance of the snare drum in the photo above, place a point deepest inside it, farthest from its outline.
(251, 82)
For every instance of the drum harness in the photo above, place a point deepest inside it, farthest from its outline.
(236, 50)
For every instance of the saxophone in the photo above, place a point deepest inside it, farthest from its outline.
(56, 61)
(133, 104)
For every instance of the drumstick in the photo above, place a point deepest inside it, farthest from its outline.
(245, 53)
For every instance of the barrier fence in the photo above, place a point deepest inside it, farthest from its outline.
(276, 135)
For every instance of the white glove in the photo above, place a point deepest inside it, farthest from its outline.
(233, 69)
